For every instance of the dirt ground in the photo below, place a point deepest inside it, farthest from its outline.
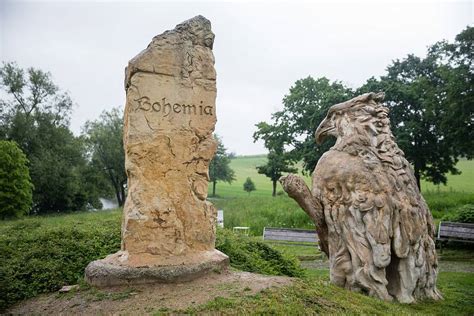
(145, 299)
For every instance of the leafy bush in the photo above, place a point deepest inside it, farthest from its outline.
(40, 255)
(15, 182)
(464, 214)
(254, 256)
(443, 202)
(39, 258)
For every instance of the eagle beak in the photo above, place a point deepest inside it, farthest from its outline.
(325, 128)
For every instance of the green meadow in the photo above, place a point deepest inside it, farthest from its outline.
(245, 166)
(259, 209)
(41, 254)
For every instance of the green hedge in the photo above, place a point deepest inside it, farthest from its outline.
(464, 214)
(42, 254)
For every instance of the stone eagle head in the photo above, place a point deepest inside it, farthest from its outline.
(362, 116)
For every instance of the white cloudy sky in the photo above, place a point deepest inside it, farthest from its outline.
(261, 48)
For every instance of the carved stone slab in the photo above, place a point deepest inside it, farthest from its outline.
(170, 116)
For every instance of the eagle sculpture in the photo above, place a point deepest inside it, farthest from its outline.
(371, 219)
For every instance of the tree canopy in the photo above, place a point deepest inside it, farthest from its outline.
(36, 116)
(430, 101)
(104, 138)
(249, 186)
(15, 183)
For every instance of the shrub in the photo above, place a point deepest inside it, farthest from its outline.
(249, 186)
(15, 183)
(40, 255)
(464, 214)
(254, 256)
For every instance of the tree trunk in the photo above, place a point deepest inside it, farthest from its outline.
(274, 187)
(418, 177)
(117, 194)
(299, 191)
(214, 188)
(122, 193)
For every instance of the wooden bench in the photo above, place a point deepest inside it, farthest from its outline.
(290, 236)
(451, 231)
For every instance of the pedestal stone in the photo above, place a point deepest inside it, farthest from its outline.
(168, 228)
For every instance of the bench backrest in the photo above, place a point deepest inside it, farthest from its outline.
(461, 231)
(287, 234)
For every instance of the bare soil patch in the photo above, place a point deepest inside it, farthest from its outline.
(150, 298)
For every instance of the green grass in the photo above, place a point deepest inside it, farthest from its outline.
(260, 209)
(460, 183)
(315, 295)
(244, 166)
(263, 211)
(258, 212)
(42, 253)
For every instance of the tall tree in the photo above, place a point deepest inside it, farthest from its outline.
(294, 126)
(278, 162)
(105, 142)
(219, 168)
(36, 114)
(430, 101)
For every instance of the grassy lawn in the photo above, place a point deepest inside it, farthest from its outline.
(314, 294)
(40, 254)
(43, 253)
(244, 166)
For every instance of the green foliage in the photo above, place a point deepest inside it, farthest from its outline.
(42, 254)
(255, 256)
(303, 109)
(278, 162)
(465, 214)
(219, 168)
(15, 181)
(104, 138)
(35, 115)
(430, 101)
(249, 186)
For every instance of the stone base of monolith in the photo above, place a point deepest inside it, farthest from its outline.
(121, 269)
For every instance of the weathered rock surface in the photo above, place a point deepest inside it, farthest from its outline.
(372, 221)
(170, 115)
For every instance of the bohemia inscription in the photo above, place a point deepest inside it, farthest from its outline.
(144, 104)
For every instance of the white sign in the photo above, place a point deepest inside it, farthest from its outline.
(220, 218)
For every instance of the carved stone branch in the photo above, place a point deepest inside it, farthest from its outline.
(299, 191)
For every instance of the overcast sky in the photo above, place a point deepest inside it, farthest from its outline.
(261, 48)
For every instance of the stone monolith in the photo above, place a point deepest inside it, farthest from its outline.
(168, 227)
(371, 219)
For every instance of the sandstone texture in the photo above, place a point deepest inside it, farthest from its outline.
(169, 119)
(372, 221)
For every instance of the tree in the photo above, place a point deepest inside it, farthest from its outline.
(36, 116)
(15, 183)
(104, 138)
(278, 162)
(430, 101)
(249, 186)
(294, 126)
(219, 169)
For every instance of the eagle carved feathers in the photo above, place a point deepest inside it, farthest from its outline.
(371, 219)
